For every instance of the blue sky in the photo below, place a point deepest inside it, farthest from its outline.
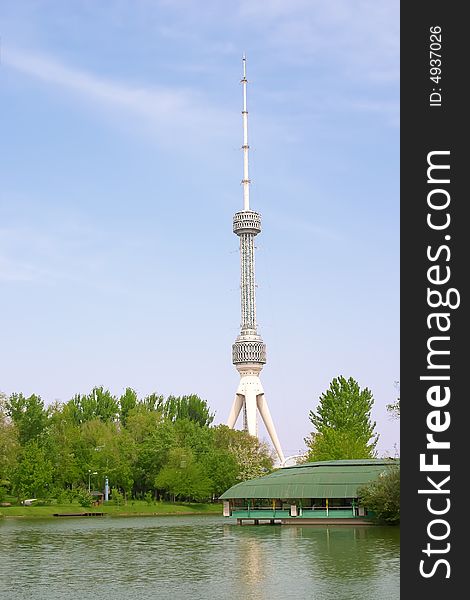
(120, 172)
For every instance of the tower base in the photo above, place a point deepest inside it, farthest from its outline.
(250, 396)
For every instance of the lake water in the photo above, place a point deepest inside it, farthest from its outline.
(182, 558)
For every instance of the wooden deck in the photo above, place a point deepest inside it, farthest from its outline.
(85, 514)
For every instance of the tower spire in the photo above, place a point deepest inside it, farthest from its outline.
(249, 350)
(245, 147)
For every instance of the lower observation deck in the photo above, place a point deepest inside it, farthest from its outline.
(249, 351)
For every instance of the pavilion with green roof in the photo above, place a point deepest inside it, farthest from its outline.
(315, 492)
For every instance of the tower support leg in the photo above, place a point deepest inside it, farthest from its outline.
(268, 422)
(235, 411)
(250, 404)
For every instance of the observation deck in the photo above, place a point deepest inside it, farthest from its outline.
(247, 221)
(249, 351)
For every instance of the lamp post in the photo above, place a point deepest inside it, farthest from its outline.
(90, 473)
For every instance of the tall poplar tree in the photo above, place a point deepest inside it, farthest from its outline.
(343, 424)
(28, 415)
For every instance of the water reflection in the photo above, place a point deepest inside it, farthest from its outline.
(320, 561)
(195, 557)
(348, 553)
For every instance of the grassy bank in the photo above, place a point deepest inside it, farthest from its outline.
(132, 508)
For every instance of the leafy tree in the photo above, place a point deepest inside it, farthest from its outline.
(32, 476)
(116, 497)
(124, 463)
(190, 434)
(28, 415)
(83, 497)
(127, 402)
(394, 407)
(143, 423)
(153, 438)
(343, 423)
(222, 469)
(9, 445)
(152, 402)
(183, 477)
(188, 407)
(336, 445)
(107, 406)
(253, 458)
(136, 443)
(383, 496)
(106, 448)
(98, 404)
(62, 442)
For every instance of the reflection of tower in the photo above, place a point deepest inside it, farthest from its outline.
(249, 351)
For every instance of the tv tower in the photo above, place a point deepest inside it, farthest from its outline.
(249, 350)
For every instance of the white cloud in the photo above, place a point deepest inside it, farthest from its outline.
(164, 109)
(362, 35)
(66, 250)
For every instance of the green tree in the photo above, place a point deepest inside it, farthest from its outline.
(153, 438)
(343, 424)
(124, 463)
(394, 407)
(9, 445)
(336, 445)
(32, 476)
(109, 450)
(253, 458)
(383, 496)
(188, 407)
(127, 402)
(28, 415)
(83, 497)
(98, 404)
(222, 469)
(134, 442)
(183, 478)
(116, 497)
(190, 434)
(152, 402)
(62, 443)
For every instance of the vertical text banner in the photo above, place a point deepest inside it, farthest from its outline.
(435, 269)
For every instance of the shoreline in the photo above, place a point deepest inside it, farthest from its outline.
(166, 510)
(114, 515)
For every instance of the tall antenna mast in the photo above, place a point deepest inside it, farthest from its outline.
(245, 147)
(249, 350)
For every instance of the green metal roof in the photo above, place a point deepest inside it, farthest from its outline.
(327, 479)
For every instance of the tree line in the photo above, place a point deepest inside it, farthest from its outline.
(151, 447)
(168, 448)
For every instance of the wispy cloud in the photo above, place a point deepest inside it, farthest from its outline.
(164, 109)
(67, 251)
(362, 36)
